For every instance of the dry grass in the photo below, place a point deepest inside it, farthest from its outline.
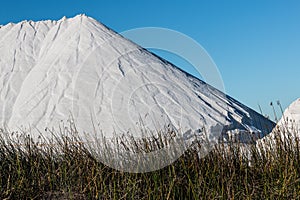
(69, 170)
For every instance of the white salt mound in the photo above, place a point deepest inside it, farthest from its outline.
(51, 71)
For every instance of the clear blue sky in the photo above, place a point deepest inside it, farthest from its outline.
(255, 44)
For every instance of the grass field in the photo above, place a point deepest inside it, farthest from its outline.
(68, 170)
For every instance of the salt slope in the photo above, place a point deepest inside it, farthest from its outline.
(51, 70)
(290, 121)
(287, 128)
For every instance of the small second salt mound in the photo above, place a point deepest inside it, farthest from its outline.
(291, 117)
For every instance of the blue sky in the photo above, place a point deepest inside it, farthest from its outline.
(255, 44)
